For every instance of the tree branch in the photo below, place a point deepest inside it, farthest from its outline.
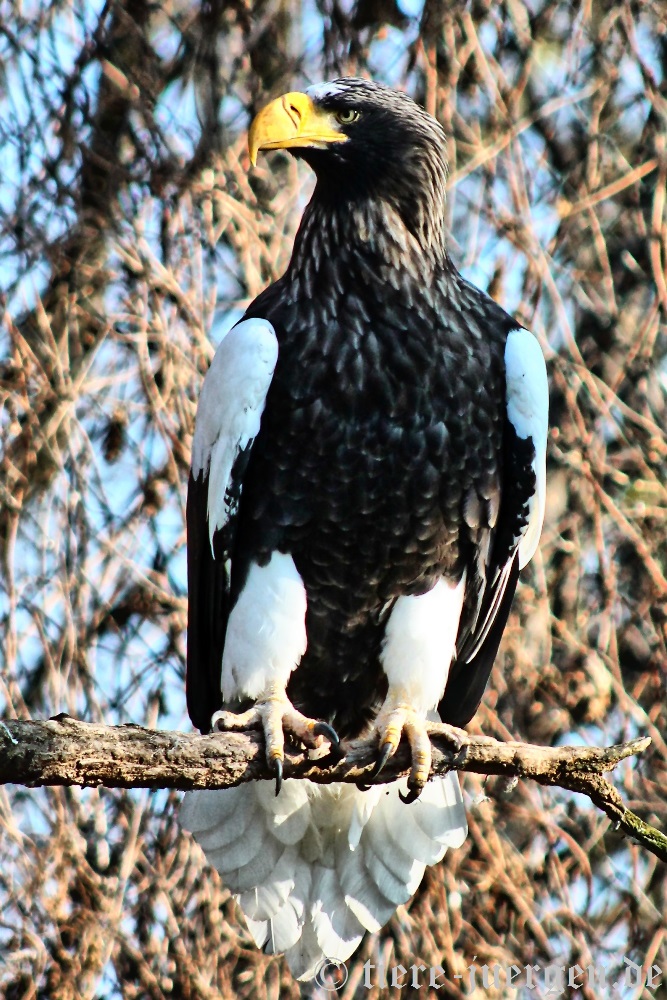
(63, 751)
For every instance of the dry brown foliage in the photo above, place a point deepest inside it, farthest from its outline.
(132, 234)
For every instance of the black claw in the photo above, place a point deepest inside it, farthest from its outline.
(362, 787)
(412, 795)
(324, 729)
(278, 768)
(385, 754)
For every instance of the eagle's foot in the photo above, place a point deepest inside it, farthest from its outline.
(398, 719)
(456, 737)
(276, 716)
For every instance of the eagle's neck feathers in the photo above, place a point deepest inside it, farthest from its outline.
(391, 238)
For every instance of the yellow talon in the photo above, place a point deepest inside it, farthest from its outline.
(397, 718)
(275, 715)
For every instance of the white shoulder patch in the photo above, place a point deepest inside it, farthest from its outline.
(230, 408)
(528, 412)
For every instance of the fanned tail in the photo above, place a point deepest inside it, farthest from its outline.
(319, 865)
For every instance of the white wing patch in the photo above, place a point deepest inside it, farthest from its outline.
(230, 409)
(528, 412)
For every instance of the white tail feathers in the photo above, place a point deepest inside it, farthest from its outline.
(316, 867)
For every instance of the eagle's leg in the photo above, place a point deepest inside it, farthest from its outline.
(265, 640)
(276, 716)
(397, 718)
(419, 642)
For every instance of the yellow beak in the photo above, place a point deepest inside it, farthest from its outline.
(289, 122)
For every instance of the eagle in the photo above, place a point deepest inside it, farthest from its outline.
(368, 478)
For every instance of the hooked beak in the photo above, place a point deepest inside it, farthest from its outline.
(290, 122)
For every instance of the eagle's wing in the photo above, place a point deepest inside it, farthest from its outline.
(228, 419)
(516, 531)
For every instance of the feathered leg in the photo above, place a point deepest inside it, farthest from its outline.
(418, 649)
(266, 638)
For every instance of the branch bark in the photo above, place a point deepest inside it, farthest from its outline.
(64, 751)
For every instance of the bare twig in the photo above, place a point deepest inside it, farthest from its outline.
(64, 751)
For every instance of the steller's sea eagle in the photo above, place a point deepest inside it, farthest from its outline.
(368, 478)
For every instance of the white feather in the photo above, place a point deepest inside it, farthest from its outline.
(314, 898)
(235, 855)
(230, 409)
(419, 643)
(217, 817)
(289, 812)
(322, 798)
(284, 930)
(290, 919)
(266, 631)
(261, 902)
(361, 813)
(337, 930)
(257, 871)
(293, 796)
(305, 957)
(439, 811)
(390, 885)
(407, 835)
(362, 895)
(259, 930)
(528, 412)
(395, 856)
(319, 91)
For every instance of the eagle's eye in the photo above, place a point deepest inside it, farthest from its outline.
(347, 117)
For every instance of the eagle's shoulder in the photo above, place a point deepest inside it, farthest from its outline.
(230, 407)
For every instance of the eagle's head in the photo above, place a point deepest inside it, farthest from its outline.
(366, 143)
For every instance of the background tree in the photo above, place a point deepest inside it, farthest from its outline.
(132, 236)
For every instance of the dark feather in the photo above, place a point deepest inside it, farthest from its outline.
(210, 597)
(468, 677)
(481, 629)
